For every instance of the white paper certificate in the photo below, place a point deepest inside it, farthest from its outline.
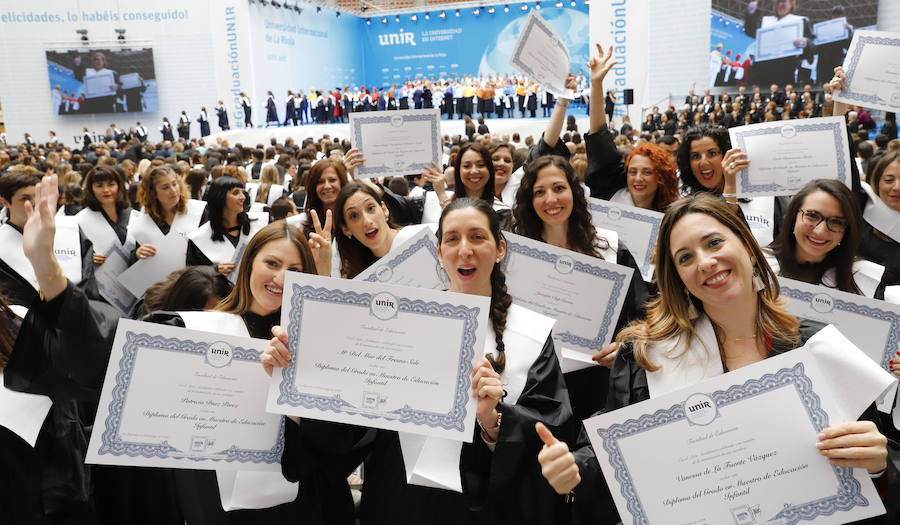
(872, 70)
(182, 398)
(740, 448)
(398, 358)
(107, 275)
(67, 247)
(413, 263)
(98, 84)
(583, 293)
(170, 254)
(22, 413)
(777, 41)
(396, 143)
(831, 31)
(541, 54)
(787, 154)
(637, 227)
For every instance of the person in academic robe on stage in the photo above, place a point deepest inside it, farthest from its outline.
(247, 108)
(203, 118)
(214, 242)
(271, 111)
(222, 115)
(17, 282)
(718, 306)
(822, 246)
(551, 207)
(289, 109)
(141, 132)
(105, 218)
(498, 461)
(167, 210)
(166, 130)
(184, 126)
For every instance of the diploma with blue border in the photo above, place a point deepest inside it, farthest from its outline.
(584, 294)
(541, 54)
(872, 71)
(381, 356)
(786, 154)
(638, 227)
(740, 448)
(396, 143)
(182, 398)
(413, 263)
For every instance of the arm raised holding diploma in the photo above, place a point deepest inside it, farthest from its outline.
(718, 310)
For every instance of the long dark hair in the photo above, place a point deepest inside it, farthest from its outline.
(355, 256)
(717, 133)
(313, 202)
(500, 299)
(215, 198)
(841, 257)
(487, 193)
(581, 234)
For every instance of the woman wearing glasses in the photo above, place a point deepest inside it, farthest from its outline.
(819, 241)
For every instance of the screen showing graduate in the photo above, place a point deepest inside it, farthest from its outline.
(98, 80)
(798, 42)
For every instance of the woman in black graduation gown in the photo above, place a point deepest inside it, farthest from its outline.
(550, 183)
(499, 461)
(701, 240)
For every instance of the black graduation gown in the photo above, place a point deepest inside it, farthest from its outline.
(18, 291)
(593, 501)
(194, 256)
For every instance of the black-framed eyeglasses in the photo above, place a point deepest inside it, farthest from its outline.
(812, 218)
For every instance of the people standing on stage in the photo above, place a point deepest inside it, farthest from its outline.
(222, 115)
(271, 112)
(247, 107)
(166, 130)
(203, 118)
(184, 126)
(289, 110)
(141, 132)
(610, 104)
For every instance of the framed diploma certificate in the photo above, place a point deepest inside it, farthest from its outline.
(583, 293)
(872, 71)
(639, 228)
(787, 154)
(413, 263)
(396, 143)
(380, 356)
(777, 41)
(98, 84)
(831, 31)
(542, 55)
(740, 448)
(181, 398)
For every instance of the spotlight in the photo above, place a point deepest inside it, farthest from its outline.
(506, 8)
(457, 12)
(397, 19)
(413, 18)
(491, 10)
(573, 3)
(427, 16)
(476, 11)
(559, 4)
(443, 14)
(368, 21)
(587, 2)
(83, 33)
(121, 33)
(537, 5)
(524, 7)
(384, 20)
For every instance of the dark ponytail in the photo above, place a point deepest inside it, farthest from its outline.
(500, 298)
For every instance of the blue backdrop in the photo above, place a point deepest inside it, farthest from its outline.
(462, 44)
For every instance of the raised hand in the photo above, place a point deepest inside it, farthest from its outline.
(557, 462)
(40, 224)
(352, 160)
(320, 242)
(601, 64)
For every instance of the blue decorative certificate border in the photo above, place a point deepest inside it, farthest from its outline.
(604, 332)
(454, 419)
(890, 346)
(112, 443)
(628, 214)
(516, 58)
(849, 493)
(862, 98)
(836, 129)
(422, 244)
(409, 167)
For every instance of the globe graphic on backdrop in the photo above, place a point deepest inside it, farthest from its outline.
(571, 25)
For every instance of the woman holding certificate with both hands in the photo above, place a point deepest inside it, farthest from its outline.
(517, 383)
(718, 310)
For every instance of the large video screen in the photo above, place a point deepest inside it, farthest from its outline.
(783, 41)
(90, 81)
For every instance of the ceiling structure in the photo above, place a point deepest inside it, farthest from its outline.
(374, 8)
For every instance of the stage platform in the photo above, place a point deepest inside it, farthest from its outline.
(499, 126)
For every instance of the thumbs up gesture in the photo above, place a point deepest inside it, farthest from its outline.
(557, 463)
